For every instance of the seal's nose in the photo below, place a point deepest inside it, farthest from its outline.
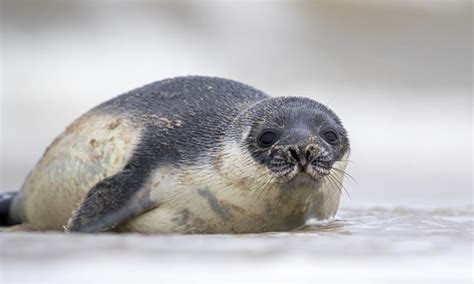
(297, 154)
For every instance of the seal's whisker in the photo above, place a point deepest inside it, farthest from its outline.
(347, 160)
(333, 185)
(340, 183)
(264, 188)
(345, 174)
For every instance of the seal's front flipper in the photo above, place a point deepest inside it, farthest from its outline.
(109, 203)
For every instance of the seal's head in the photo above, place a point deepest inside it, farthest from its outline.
(292, 136)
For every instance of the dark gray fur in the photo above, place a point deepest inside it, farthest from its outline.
(206, 106)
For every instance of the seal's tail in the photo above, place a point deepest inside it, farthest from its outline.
(6, 199)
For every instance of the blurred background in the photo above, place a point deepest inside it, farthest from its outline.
(398, 73)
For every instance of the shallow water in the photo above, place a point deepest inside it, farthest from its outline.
(362, 245)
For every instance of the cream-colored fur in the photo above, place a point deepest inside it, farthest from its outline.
(94, 147)
(233, 194)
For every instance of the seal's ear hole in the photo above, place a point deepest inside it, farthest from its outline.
(267, 138)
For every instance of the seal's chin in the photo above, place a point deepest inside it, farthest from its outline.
(316, 172)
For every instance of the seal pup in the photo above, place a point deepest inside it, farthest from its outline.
(189, 155)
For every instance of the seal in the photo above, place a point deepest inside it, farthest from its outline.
(189, 155)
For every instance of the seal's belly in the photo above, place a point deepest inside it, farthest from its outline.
(200, 199)
(204, 212)
(219, 208)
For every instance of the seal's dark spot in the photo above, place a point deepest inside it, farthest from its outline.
(183, 217)
(221, 211)
(93, 142)
(114, 124)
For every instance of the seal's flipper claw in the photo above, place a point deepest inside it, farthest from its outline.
(109, 203)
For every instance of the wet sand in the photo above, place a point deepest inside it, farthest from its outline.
(362, 245)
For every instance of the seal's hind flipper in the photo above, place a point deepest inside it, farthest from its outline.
(109, 203)
(6, 199)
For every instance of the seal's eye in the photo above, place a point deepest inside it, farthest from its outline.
(267, 138)
(330, 136)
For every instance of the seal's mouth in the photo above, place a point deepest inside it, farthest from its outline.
(284, 171)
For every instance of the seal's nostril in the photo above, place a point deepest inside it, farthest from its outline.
(311, 152)
(294, 154)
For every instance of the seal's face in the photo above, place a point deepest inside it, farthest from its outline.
(295, 136)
